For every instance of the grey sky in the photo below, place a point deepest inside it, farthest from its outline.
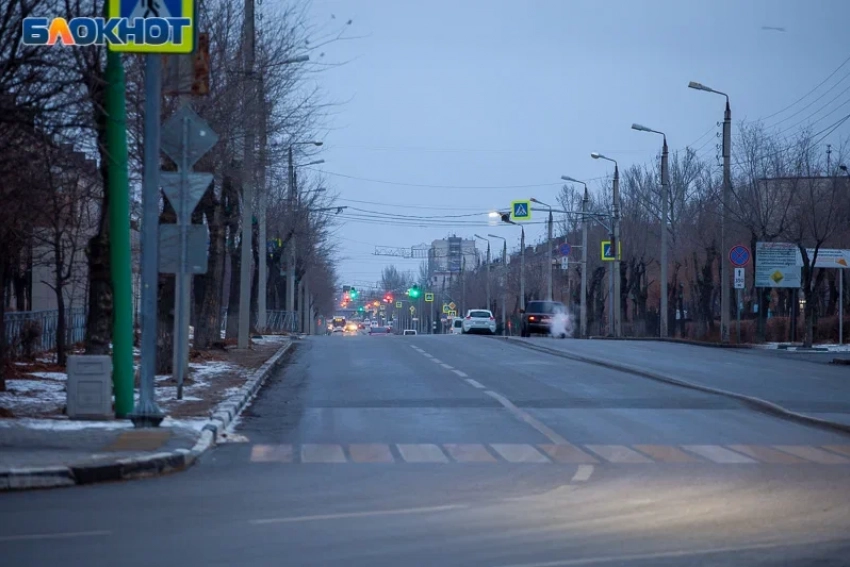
(498, 93)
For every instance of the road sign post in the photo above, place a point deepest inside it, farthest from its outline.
(606, 254)
(186, 137)
(739, 285)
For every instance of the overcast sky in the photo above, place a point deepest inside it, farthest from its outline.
(459, 107)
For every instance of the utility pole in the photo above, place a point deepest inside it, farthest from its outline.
(549, 259)
(583, 308)
(665, 198)
(290, 256)
(522, 270)
(245, 271)
(724, 245)
(615, 250)
(262, 275)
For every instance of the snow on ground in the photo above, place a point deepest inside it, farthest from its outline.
(64, 424)
(828, 347)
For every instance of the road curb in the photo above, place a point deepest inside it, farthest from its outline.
(676, 341)
(28, 478)
(758, 404)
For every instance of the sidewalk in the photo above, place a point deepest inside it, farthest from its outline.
(40, 447)
(781, 380)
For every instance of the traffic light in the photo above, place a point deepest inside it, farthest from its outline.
(360, 309)
(352, 293)
(414, 292)
(388, 298)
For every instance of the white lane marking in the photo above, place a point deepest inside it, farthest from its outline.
(447, 366)
(460, 373)
(437, 360)
(60, 535)
(618, 454)
(622, 559)
(343, 515)
(583, 473)
(475, 383)
(718, 454)
(529, 419)
(426, 354)
(421, 453)
(518, 453)
(414, 347)
(311, 453)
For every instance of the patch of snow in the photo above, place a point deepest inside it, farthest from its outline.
(826, 347)
(59, 376)
(206, 370)
(43, 391)
(64, 424)
(195, 423)
(270, 339)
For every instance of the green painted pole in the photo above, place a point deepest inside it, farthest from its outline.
(119, 235)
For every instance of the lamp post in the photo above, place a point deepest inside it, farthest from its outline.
(262, 290)
(488, 268)
(290, 257)
(506, 218)
(616, 310)
(505, 276)
(665, 197)
(727, 188)
(584, 203)
(551, 252)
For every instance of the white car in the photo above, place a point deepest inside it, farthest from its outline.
(457, 326)
(479, 321)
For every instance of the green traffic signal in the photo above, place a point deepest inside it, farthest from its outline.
(353, 293)
(414, 291)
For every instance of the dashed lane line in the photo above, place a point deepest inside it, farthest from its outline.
(475, 383)
(528, 418)
(583, 473)
(460, 373)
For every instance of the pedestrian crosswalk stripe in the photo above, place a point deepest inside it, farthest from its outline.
(666, 454)
(469, 453)
(371, 453)
(562, 453)
(814, 454)
(322, 454)
(618, 454)
(422, 453)
(767, 455)
(567, 454)
(719, 454)
(518, 453)
(843, 449)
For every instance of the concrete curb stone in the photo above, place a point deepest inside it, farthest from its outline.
(148, 465)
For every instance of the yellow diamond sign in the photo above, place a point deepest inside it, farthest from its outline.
(777, 276)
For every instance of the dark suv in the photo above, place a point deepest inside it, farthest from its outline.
(537, 317)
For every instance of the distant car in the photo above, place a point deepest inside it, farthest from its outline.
(479, 321)
(409, 332)
(351, 327)
(457, 326)
(379, 331)
(545, 317)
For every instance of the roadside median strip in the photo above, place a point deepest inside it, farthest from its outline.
(147, 465)
(758, 404)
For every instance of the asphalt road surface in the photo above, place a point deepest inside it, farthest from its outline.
(464, 451)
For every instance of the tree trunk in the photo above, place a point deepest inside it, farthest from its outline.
(232, 330)
(59, 288)
(166, 292)
(4, 354)
(99, 319)
(208, 286)
(255, 278)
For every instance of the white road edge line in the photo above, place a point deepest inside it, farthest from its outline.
(367, 514)
(620, 559)
(61, 535)
(583, 473)
(460, 373)
(528, 418)
(475, 383)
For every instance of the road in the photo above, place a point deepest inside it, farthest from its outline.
(457, 450)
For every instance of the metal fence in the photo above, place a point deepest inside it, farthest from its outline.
(277, 321)
(18, 323)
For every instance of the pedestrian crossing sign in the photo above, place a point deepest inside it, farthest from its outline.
(429, 297)
(168, 27)
(607, 255)
(521, 210)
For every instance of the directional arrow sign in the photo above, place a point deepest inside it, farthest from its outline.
(200, 137)
(198, 183)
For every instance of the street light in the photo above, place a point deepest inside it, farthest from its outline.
(615, 315)
(505, 271)
(584, 203)
(506, 218)
(488, 267)
(727, 189)
(551, 252)
(665, 196)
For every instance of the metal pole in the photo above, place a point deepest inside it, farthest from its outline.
(488, 275)
(504, 286)
(147, 413)
(290, 256)
(119, 235)
(181, 329)
(611, 287)
(583, 309)
(665, 196)
(841, 306)
(738, 312)
(549, 260)
(727, 187)
(262, 275)
(522, 270)
(615, 248)
(246, 260)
